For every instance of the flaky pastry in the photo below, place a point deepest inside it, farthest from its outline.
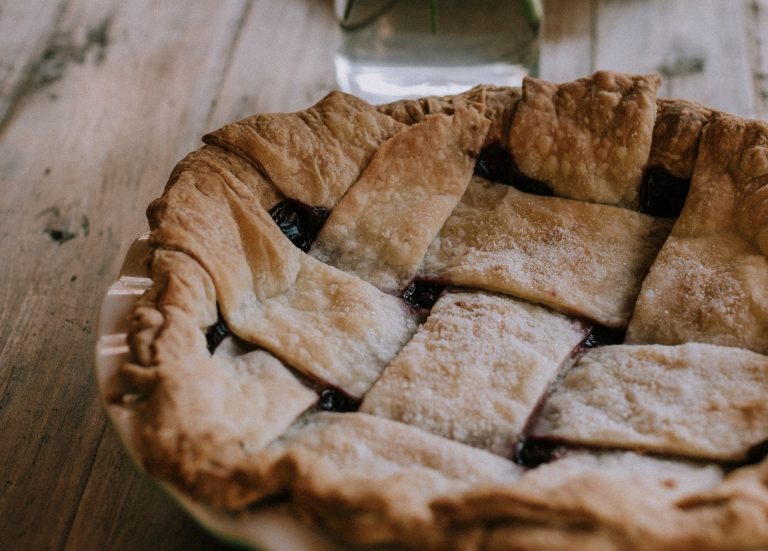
(408, 321)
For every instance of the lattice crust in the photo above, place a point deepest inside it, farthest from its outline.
(590, 139)
(476, 430)
(676, 135)
(547, 249)
(382, 227)
(325, 323)
(710, 282)
(699, 400)
(330, 144)
(460, 375)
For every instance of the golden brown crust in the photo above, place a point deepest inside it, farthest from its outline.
(412, 111)
(325, 323)
(382, 227)
(201, 415)
(623, 501)
(676, 135)
(498, 104)
(476, 369)
(589, 139)
(332, 326)
(691, 400)
(710, 280)
(211, 423)
(234, 168)
(181, 290)
(345, 469)
(312, 156)
(549, 250)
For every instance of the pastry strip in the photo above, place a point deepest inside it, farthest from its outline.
(382, 227)
(477, 368)
(349, 469)
(710, 280)
(312, 156)
(590, 138)
(676, 135)
(597, 501)
(329, 325)
(495, 102)
(695, 400)
(580, 258)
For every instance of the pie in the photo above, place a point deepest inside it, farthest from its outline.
(528, 318)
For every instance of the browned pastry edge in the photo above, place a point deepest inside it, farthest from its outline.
(675, 135)
(496, 103)
(732, 515)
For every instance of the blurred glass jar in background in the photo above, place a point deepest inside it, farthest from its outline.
(394, 49)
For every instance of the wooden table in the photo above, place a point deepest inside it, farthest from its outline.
(100, 98)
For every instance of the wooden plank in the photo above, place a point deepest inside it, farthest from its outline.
(757, 19)
(121, 509)
(699, 48)
(26, 30)
(306, 37)
(139, 516)
(79, 161)
(567, 39)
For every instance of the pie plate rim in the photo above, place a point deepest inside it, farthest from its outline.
(269, 527)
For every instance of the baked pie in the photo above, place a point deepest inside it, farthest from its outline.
(527, 318)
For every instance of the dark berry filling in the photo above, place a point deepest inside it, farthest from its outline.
(662, 194)
(422, 294)
(532, 452)
(299, 222)
(332, 399)
(600, 335)
(758, 452)
(216, 333)
(496, 164)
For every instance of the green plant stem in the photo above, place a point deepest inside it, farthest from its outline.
(532, 10)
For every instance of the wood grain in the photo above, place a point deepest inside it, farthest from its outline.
(100, 98)
(79, 162)
(302, 74)
(26, 38)
(699, 48)
(121, 509)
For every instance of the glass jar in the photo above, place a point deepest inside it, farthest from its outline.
(394, 49)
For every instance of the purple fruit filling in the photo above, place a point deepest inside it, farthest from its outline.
(600, 335)
(422, 294)
(496, 164)
(758, 452)
(532, 452)
(299, 222)
(332, 399)
(216, 333)
(662, 194)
